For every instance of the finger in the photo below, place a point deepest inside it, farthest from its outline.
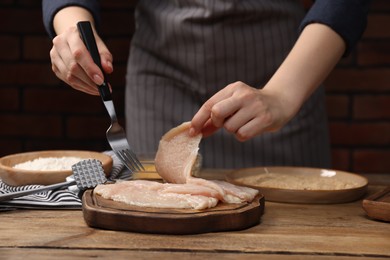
(223, 110)
(204, 113)
(83, 58)
(105, 56)
(80, 85)
(62, 72)
(72, 69)
(208, 129)
(249, 130)
(254, 127)
(239, 119)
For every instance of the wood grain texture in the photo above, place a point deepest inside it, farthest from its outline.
(44, 254)
(377, 206)
(309, 180)
(103, 213)
(286, 231)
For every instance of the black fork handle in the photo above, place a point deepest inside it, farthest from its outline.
(86, 34)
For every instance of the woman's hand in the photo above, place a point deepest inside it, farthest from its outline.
(243, 111)
(72, 63)
(247, 112)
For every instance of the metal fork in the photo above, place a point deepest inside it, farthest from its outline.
(116, 136)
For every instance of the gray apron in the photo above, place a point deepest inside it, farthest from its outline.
(183, 52)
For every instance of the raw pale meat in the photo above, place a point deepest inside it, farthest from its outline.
(175, 161)
(236, 194)
(157, 195)
(176, 154)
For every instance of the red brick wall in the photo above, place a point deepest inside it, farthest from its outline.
(358, 99)
(39, 112)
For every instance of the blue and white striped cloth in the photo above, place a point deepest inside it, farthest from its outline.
(56, 199)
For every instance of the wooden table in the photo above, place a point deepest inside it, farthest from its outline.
(289, 231)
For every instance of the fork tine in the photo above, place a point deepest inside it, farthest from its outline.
(134, 156)
(125, 161)
(132, 159)
(129, 160)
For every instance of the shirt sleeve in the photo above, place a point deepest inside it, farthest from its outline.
(51, 7)
(348, 18)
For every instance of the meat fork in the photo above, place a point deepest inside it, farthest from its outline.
(115, 134)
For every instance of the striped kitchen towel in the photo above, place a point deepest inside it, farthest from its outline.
(64, 199)
(68, 198)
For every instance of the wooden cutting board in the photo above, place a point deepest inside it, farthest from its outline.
(377, 206)
(107, 214)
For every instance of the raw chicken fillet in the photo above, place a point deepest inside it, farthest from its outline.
(175, 161)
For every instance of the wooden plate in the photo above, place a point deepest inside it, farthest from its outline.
(19, 177)
(377, 206)
(302, 185)
(107, 214)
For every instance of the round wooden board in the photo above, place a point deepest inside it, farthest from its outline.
(107, 214)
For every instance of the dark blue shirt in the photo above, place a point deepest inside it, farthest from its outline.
(348, 18)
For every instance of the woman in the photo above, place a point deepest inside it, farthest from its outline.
(253, 68)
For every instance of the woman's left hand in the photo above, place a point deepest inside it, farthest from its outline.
(243, 111)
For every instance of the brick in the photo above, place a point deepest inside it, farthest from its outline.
(21, 20)
(29, 3)
(349, 60)
(341, 159)
(373, 53)
(10, 48)
(10, 146)
(118, 99)
(87, 127)
(372, 161)
(118, 4)
(337, 106)
(63, 100)
(58, 117)
(68, 100)
(372, 107)
(377, 26)
(36, 48)
(64, 144)
(9, 99)
(6, 2)
(30, 126)
(117, 79)
(350, 80)
(376, 134)
(119, 48)
(380, 5)
(27, 74)
(117, 23)
(306, 4)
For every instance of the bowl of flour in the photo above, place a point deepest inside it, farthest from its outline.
(46, 167)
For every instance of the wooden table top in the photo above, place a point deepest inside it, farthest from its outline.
(288, 231)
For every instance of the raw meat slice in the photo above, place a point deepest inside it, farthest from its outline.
(175, 161)
(234, 193)
(153, 194)
(177, 153)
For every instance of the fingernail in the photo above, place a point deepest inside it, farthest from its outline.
(97, 79)
(109, 64)
(192, 131)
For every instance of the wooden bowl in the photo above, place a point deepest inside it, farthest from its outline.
(250, 176)
(18, 177)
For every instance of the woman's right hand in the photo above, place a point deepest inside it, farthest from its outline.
(72, 63)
